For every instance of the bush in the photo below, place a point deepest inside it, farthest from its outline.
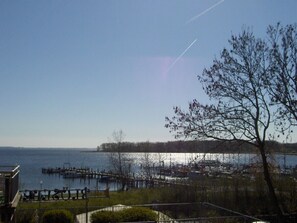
(137, 214)
(127, 215)
(25, 216)
(57, 216)
(105, 216)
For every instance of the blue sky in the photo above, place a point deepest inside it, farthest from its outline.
(72, 71)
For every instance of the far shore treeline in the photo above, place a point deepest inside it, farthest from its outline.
(194, 146)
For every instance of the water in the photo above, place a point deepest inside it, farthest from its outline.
(31, 162)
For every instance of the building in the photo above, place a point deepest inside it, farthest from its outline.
(9, 192)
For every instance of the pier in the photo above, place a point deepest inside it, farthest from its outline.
(131, 181)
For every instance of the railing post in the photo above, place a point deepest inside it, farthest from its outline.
(87, 205)
(7, 190)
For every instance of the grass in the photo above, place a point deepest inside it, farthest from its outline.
(132, 197)
(239, 194)
(26, 211)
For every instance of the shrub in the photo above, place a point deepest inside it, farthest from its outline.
(127, 215)
(104, 216)
(137, 214)
(57, 216)
(25, 216)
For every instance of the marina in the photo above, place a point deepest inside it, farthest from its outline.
(172, 174)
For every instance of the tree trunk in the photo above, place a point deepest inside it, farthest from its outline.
(268, 180)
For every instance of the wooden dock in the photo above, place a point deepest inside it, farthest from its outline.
(131, 181)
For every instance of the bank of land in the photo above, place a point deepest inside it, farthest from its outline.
(194, 146)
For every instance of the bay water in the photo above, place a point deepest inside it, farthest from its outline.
(32, 160)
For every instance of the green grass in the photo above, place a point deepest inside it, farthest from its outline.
(132, 197)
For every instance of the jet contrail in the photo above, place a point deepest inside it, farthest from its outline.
(205, 11)
(180, 56)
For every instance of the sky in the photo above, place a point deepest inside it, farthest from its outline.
(72, 72)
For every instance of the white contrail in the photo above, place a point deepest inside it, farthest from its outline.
(180, 56)
(205, 11)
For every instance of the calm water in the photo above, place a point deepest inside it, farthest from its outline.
(32, 160)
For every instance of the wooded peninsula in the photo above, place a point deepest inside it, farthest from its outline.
(194, 146)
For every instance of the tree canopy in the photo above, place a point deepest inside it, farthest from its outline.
(240, 108)
(252, 89)
(281, 78)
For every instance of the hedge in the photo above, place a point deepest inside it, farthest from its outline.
(134, 214)
(57, 216)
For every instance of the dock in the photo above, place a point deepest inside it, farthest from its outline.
(131, 181)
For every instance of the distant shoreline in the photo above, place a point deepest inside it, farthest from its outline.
(194, 146)
(286, 150)
(214, 152)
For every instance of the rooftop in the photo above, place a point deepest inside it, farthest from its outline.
(4, 170)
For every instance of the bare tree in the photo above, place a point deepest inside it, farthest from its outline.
(146, 161)
(147, 165)
(121, 162)
(282, 77)
(241, 109)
